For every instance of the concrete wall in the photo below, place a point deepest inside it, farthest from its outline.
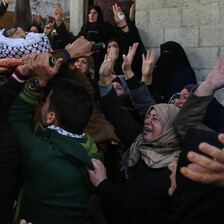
(196, 24)
(44, 7)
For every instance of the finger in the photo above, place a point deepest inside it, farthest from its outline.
(143, 57)
(203, 177)
(221, 138)
(148, 54)
(23, 221)
(218, 63)
(205, 162)
(196, 167)
(212, 151)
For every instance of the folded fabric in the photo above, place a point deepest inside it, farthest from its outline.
(16, 48)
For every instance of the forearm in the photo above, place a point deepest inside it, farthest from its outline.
(126, 128)
(191, 114)
(64, 35)
(140, 96)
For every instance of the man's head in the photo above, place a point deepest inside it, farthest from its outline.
(68, 106)
(14, 33)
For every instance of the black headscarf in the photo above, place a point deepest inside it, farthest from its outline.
(172, 55)
(100, 14)
(194, 202)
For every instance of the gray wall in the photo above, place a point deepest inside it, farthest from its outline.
(198, 25)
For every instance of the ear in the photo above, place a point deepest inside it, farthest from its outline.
(51, 118)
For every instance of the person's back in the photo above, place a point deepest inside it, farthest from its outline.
(54, 158)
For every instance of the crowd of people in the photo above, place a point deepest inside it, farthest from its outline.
(109, 136)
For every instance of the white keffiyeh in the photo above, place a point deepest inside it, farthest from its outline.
(16, 48)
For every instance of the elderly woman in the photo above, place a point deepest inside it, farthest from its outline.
(149, 150)
(15, 42)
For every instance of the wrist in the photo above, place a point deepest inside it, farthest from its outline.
(128, 74)
(104, 81)
(205, 89)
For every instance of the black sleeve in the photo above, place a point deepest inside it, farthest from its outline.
(3, 9)
(126, 128)
(8, 93)
(64, 35)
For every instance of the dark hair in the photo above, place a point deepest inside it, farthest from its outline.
(5, 31)
(72, 105)
(40, 30)
(99, 11)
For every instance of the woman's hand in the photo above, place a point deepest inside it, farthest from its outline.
(58, 14)
(5, 2)
(147, 66)
(126, 66)
(119, 16)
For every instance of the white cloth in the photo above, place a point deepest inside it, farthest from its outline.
(16, 48)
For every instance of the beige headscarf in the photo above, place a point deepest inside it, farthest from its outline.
(164, 149)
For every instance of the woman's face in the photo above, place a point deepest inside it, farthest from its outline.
(34, 29)
(173, 168)
(82, 65)
(93, 16)
(152, 126)
(116, 46)
(184, 94)
(118, 88)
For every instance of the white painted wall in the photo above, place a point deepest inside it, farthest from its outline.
(196, 24)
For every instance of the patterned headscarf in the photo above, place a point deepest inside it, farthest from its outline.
(164, 149)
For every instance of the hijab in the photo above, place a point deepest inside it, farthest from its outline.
(194, 202)
(163, 150)
(172, 55)
(100, 14)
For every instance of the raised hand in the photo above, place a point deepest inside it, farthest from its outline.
(126, 66)
(132, 13)
(98, 174)
(58, 14)
(204, 169)
(6, 2)
(80, 47)
(147, 66)
(49, 28)
(213, 82)
(119, 16)
(107, 67)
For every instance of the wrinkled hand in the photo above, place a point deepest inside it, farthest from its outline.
(204, 169)
(107, 67)
(58, 14)
(116, 10)
(49, 28)
(6, 2)
(39, 66)
(126, 66)
(147, 66)
(98, 174)
(23, 221)
(80, 47)
(213, 82)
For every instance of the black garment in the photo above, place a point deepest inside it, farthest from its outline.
(173, 70)
(197, 203)
(144, 197)
(3, 9)
(98, 32)
(9, 153)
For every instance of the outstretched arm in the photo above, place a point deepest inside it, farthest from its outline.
(205, 169)
(194, 109)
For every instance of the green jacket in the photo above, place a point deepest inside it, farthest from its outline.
(56, 182)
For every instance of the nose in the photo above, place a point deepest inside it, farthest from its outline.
(148, 120)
